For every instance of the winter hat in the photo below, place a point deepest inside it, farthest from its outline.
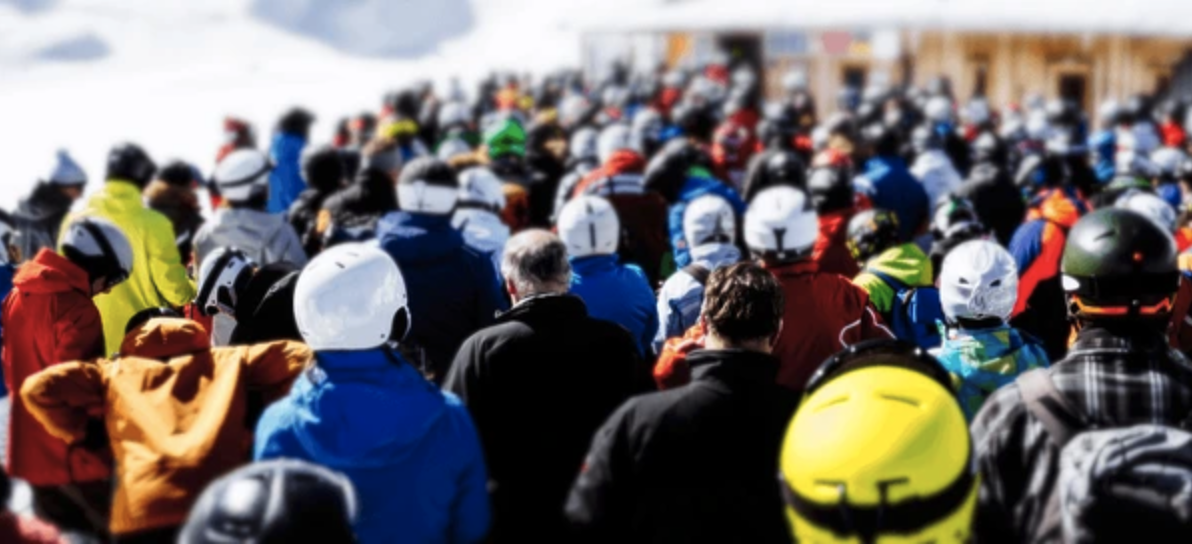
(323, 169)
(66, 171)
(615, 138)
(178, 174)
(427, 186)
(505, 137)
(243, 175)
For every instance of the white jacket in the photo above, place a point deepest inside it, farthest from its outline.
(483, 231)
(934, 170)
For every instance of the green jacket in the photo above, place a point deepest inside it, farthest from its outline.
(158, 277)
(906, 263)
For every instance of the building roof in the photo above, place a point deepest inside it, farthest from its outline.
(1172, 18)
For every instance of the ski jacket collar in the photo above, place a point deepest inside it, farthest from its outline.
(736, 367)
(49, 273)
(164, 338)
(560, 307)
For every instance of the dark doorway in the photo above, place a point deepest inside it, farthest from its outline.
(1074, 88)
(854, 76)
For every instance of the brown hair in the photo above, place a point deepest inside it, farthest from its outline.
(743, 302)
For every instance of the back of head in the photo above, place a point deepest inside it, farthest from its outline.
(879, 449)
(667, 171)
(504, 138)
(223, 276)
(614, 138)
(100, 248)
(978, 282)
(871, 232)
(274, 502)
(831, 189)
(1119, 266)
(583, 144)
(709, 219)
(427, 186)
(351, 297)
(1151, 206)
(955, 217)
(179, 174)
(128, 162)
(743, 303)
(780, 225)
(785, 168)
(535, 262)
(65, 171)
(480, 188)
(588, 226)
(243, 178)
(323, 169)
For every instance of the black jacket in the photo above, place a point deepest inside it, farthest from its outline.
(265, 312)
(364, 202)
(998, 203)
(38, 218)
(304, 217)
(693, 464)
(538, 384)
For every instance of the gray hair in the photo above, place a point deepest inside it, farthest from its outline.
(536, 262)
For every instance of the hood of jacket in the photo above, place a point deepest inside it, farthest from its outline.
(363, 409)
(417, 238)
(49, 273)
(1062, 206)
(481, 229)
(624, 161)
(164, 338)
(834, 225)
(905, 263)
(46, 202)
(117, 197)
(162, 195)
(988, 357)
(715, 255)
(243, 227)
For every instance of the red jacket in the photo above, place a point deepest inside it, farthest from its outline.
(831, 248)
(49, 319)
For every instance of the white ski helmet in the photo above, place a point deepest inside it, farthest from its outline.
(223, 276)
(583, 144)
(479, 187)
(351, 297)
(242, 175)
(709, 219)
(1150, 205)
(427, 186)
(781, 224)
(613, 139)
(99, 247)
(1167, 161)
(978, 280)
(588, 225)
(451, 148)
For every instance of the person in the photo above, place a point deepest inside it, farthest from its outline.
(352, 213)
(454, 290)
(831, 192)
(265, 309)
(324, 172)
(39, 216)
(477, 214)
(285, 180)
(158, 277)
(176, 412)
(513, 368)
(505, 145)
(23, 529)
(49, 317)
(172, 194)
(410, 450)
(978, 288)
(696, 463)
(243, 223)
(583, 158)
(954, 222)
(1120, 278)
(274, 502)
(611, 290)
(879, 452)
(223, 276)
(998, 203)
(886, 183)
(890, 265)
(710, 224)
(932, 167)
(10, 257)
(546, 144)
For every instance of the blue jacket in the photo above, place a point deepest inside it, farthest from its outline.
(697, 185)
(285, 181)
(1104, 146)
(889, 185)
(982, 361)
(410, 450)
(6, 273)
(453, 288)
(619, 293)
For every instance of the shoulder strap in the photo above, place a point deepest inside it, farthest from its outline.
(1048, 405)
(698, 272)
(890, 280)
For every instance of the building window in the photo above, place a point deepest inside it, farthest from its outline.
(980, 79)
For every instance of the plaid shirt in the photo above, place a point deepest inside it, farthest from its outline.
(1116, 380)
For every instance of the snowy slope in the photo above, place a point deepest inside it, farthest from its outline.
(83, 74)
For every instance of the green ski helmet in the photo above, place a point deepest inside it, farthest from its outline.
(1118, 264)
(505, 137)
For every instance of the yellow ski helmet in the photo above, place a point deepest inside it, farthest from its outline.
(879, 452)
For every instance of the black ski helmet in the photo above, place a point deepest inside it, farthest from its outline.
(1119, 264)
(128, 162)
(872, 232)
(785, 168)
(667, 171)
(284, 500)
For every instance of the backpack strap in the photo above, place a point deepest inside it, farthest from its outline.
(699, 272)
(890, 280)
(1049, 406)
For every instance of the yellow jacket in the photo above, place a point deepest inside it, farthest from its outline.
(158, 277)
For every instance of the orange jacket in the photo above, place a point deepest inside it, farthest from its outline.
(175, 409)
(1038, 244)
(671, 370)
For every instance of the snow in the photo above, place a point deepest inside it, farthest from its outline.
(85, 74)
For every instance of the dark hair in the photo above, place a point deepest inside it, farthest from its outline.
(743, 302)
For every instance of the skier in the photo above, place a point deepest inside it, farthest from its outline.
(364, 411)
(978, 287)
(158, 277)
(223, 277)
(172, 194)
(147, 396)
(890, 265)
(49, 318)
(831, 192)
(477, 214)
(40, 215)
(243, 180)
(352, 213)
(583, 158)
(285, 179)
(886, 183)
(505, 145)
(612, 291)
(10, 258)
(932, 167)
(998, 203)
(453, 288)
(324, 173)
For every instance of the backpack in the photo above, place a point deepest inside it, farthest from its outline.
(1114, 485)
(915, 314)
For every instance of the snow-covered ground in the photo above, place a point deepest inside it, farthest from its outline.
(84, 74)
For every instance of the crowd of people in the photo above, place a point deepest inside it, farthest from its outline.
(646, 307)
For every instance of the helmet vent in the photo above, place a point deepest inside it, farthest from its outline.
(904, 400)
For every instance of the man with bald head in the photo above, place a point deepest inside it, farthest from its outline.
(546, 354)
